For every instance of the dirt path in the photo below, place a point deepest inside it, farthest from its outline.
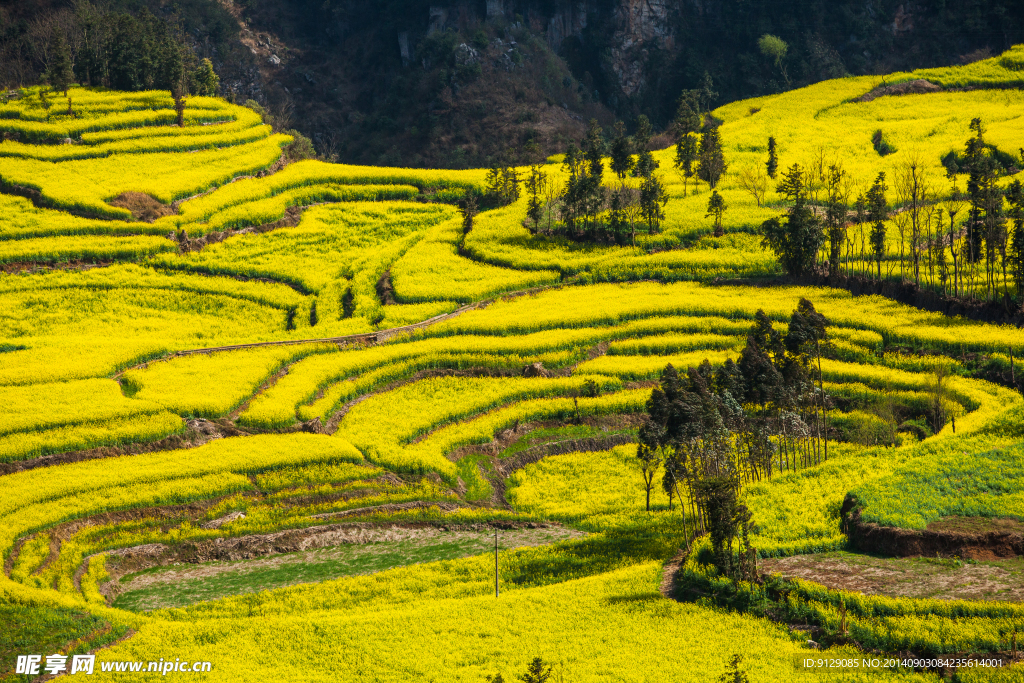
(668, 575)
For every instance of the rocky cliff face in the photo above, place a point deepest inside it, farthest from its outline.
(639, 24)
(634, 26)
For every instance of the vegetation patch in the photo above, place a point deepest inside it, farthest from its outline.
(942, 578)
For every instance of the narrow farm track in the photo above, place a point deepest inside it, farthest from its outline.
(667, 587)
(366, 338)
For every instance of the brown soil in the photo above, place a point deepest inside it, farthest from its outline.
(507, 437)
(643, 384)
(916, 87)
(292, 217)
(143, 206)
(270, 381)
(988, 540)
(977, 525)
(1001, 580)
(391, 507)
(198, 432)
(129, 560)
(20, 267)
(668, 575)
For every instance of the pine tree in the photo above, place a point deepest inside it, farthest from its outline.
(468, 209)
(835, 214)
(773, 159)
(711, 161)
(653, 196)
(733, 674)
(622, 161)
(535, 672)
(878, 213)
(594, 193)
(572, 195)
(503, 182)
(534, 189)
(205, 81)
(796, 241)
(687, 124)
(59, 72)
(716, 207)
(1015, 197)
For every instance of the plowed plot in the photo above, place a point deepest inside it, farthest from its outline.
(916, 577)
(386, 549)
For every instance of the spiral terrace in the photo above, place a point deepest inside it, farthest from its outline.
(241, 400)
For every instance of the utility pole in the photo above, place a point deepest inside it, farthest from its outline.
(495, 562)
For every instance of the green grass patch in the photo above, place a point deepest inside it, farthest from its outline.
(36, 629)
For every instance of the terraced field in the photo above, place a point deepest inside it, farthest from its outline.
(272, 416)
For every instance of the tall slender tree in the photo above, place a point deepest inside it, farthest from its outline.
(773, 158)
(535, 184)
(60, 71)
(711, 160)
(878, 213)
(796, 241)
(687, 124)
(621, 152)
(837, 197)
(1015, 198)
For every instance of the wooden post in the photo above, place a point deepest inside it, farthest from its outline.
(1013, 379)
(495, 563)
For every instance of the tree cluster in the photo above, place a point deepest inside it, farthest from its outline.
(585, 207)
(92, 45)
(711, 429)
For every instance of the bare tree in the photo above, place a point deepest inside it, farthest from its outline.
(912, 193)
(754, 180)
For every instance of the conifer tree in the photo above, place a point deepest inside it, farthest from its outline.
(534, 190)
(773, 159)
(796, 241)
(653, 196)
(503, 182)
(206, 81)
(573, 194)
(622, 161)
(535, 672)
(687, 124)
(716, 207)
(468, 209)
(711, 160)
(734, 674)
(1015, 197)
(593, 149)
(878, 213)
(836, 199)
(59, 72)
